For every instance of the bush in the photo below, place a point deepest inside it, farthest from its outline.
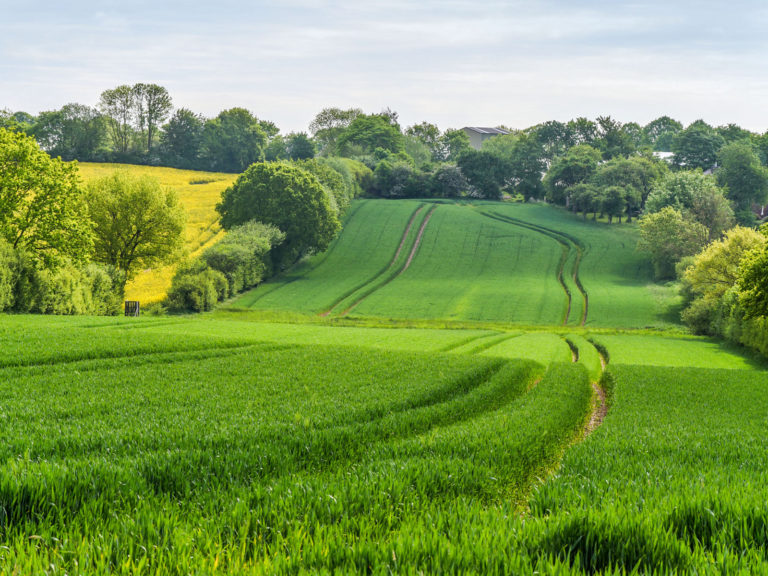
(197, 291)
(8, 263)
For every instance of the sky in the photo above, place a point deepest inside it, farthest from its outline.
(454, 63)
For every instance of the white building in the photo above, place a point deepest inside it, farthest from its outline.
(479, 135)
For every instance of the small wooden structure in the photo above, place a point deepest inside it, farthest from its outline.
(132, 308)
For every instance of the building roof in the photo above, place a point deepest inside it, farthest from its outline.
(480, 130)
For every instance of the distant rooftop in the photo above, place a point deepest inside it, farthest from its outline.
(480, 130)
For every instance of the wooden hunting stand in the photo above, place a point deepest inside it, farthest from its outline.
(132, 308)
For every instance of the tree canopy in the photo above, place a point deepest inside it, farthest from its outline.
(137, 223)
(42, 207)
(284, 196)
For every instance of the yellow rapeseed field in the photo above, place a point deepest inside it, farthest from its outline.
(198, 192)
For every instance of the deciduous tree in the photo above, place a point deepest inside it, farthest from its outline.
(42, 207)
(137, 223)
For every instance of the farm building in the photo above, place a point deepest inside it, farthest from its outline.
(479, 135)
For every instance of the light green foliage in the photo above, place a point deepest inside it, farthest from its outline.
(696, 196)
(287, 197)
(712, 274)
(42, 207)
(366, 133)
(753, 282)
(243, 255)
(667, 237)
(137, 224)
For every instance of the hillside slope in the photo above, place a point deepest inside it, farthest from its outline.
(474, 261)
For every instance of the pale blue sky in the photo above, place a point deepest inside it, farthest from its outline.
(454, 62)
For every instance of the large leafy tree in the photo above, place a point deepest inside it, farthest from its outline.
(366, 133)
(636, 175)
(753, 281)
(118, 106)
(153, 105)
(42, 207)
(485, 171)
(75, 132)
(287, 197)
(329, 124)
(661, 132)
(577, 166)
(744, 177)
(181, 139)
(697, 146)
(667, 237)
(696, 196)
(138, 224)
(233, 140)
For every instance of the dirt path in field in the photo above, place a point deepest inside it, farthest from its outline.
(599, 403)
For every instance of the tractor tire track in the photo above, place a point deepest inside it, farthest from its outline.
(567, 243)
(381, 272)
(414, 249)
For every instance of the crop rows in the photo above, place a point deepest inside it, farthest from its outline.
(261, 456)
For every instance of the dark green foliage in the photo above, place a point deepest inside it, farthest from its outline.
(447, 181)
(743, 176)
(181, 139)
(233, 141)
(484, 171)
(76, 132)
(287, 197)
(697, 146)
(661, 132)
(299, 146)
(577, 166)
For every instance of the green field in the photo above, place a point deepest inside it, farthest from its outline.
(222, 444)
(495, 262)
(427, 397)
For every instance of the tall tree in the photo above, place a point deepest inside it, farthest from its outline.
(696, 196)
(578, 165)
(328, 125)
(667, 237)
(119, 107)
(366, 133)
(299, 146)
(181, 139)
(429, 135)
(744, 177)
(42, 208)
(137, 223)
(153, 105)
(660, 133)
(612, 139)
(697, 146)
(75, 132)
(233, 140)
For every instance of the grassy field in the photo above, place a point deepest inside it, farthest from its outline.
(198, 192)
(427, 397)
(221, 444)
(481, 261)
